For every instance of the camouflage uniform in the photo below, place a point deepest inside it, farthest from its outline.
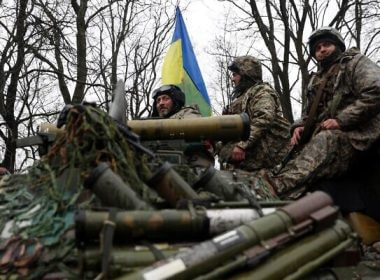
(269, 132)
(197, 154)
(352, 97)
(187, 112)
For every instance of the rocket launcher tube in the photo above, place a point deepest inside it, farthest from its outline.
(170, 185)
(209, 254)
(126, 257)
(112, 190)
(304, 256)
(226, 128)
(217, 128)
(259, 252)
(158, 225)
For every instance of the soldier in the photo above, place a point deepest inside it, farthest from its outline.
(343, 106)
(269, 135)
(169, 102)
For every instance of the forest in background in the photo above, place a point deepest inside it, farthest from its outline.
(54, 53)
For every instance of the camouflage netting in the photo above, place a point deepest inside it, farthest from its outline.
(38, 207)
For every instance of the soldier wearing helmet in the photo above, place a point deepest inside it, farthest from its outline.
(169, 102)
(341, 119)
(269, 129)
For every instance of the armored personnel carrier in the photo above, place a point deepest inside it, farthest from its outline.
(101, 205)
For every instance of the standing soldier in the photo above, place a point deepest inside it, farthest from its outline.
(269, 132)
(341, 119)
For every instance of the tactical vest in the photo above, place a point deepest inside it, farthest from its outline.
(332, 87)
(239, 105)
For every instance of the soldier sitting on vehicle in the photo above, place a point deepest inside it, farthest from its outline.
(268, 141)
(341, 121)
(169, 102)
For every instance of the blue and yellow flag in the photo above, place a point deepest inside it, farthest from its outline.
(181, 68)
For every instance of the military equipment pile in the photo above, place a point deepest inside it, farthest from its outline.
(97, 206)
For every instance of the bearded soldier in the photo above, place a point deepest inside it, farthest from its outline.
(341, 119)
(169, 102)
(269, 131)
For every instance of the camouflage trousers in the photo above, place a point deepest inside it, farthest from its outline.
(258, 157)
(328, 154)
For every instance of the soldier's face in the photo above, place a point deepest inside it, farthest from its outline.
(324, 49)
(235, 77)
(164, 105)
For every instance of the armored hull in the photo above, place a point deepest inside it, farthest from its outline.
(98, 205)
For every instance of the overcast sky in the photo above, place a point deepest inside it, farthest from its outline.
(204, 19)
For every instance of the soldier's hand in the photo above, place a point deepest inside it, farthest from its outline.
(238, 154)
(330, 124)
(296, 135)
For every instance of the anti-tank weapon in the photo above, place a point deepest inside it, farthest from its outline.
(226, 127)
(308, 214)
(218, 128)
(296, 260)
(178, 140)
(158, 225)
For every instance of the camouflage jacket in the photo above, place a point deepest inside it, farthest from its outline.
(187, 112)
(197, 154)
(352, 96)
(269, 131)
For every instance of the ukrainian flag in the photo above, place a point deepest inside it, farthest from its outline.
(181, 68)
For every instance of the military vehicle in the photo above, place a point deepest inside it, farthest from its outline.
(101, 205)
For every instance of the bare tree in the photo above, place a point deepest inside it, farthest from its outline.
(11, 63)
(223, 49)
(282, 26)
(136, 36)
(55, 49)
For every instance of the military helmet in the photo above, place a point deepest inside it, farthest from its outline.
(247, 66)
(175, 93)
(326, 32)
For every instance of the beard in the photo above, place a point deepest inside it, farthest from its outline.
(244, 84)
(163, 112)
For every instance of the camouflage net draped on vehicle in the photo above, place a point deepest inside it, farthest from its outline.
(37, 207)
